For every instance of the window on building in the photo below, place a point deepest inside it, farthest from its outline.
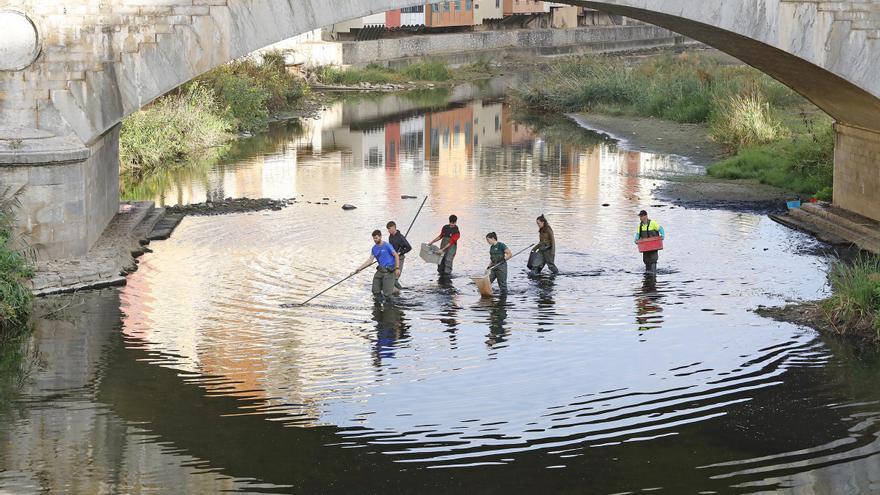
(497, 4)
(468, 5)
(458, 5)
(445, 6)
(435, 7)
(414, 10)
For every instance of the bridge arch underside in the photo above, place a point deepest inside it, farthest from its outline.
(839, 98)
(123, 73)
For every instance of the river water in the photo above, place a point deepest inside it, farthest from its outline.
(197, 378)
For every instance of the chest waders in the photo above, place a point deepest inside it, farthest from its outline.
(649, 257)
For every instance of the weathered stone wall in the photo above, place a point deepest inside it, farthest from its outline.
(857, 170)
(364, 52)
(68, 197)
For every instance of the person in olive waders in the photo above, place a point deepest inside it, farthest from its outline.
(387, 271)
(649, 228)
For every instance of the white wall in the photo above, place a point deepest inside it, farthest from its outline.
(488, 9)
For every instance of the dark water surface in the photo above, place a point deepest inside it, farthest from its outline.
(194, 378)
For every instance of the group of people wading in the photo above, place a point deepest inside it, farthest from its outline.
(390, 255)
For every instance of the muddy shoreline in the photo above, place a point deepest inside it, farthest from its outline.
(810, 314)
(230, 205)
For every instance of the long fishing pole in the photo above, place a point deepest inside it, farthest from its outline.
(371, 264)
(521, 251)
(415, 217)
(328, 288)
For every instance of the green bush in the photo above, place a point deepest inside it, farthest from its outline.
(745, 120)
(15, 271)
(252, 91)
(245, 102)
(239, 96)
(855, 306)
(171, 129)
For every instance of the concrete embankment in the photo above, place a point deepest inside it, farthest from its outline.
(465, 48)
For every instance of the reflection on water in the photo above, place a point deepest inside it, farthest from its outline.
(204, 374)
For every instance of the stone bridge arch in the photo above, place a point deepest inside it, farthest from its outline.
(98, 61)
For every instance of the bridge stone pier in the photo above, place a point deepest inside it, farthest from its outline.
(71, 70)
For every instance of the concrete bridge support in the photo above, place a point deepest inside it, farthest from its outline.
(68, 192)
(857, 170)
(71, 70)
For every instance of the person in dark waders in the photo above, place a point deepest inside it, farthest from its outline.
(448, 238)
(386, 272)
(545, 252)
(401, 245)
(499, 253)
(649, 228)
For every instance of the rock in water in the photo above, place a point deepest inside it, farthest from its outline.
(347, 206)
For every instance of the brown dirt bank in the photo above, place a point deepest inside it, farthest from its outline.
(652, 135)
(707, 192)
(812, 315)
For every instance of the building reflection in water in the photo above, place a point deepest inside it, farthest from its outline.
(451, 143)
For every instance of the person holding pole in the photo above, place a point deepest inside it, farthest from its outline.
(649, 228)
(499, 253)
(401, 245)
(448, 238)
(388, 268)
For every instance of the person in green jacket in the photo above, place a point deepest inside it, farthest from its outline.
(649, 228)
(545, 252)
(499, 253)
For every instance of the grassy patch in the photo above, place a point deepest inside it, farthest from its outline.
(854, 309)
(425, 71)
(747, 112)
(687, 88)
(372, 74)
(740, 121)
(803, 163)
(15, 271)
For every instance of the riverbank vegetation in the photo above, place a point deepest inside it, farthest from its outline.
(203, 114)
(772, 134)
(854, 309)
(16, 268)
(428, 70)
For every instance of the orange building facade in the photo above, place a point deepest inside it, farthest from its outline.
(450, 14)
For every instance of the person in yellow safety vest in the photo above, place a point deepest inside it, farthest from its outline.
(649, 228)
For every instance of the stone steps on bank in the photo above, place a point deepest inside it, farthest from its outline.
(108, 261)
(834, 226)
